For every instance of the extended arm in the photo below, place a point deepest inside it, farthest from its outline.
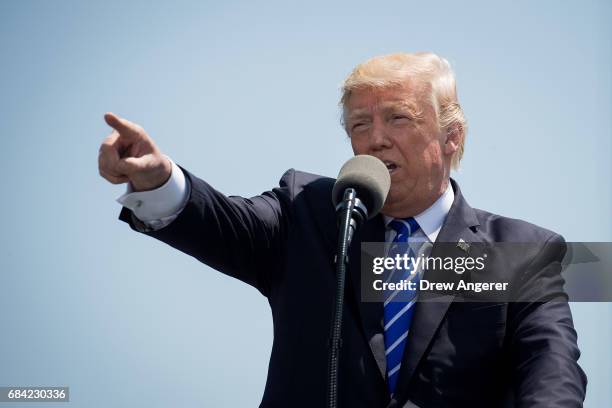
(241, 237)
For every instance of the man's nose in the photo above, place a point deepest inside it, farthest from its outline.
(379, 138)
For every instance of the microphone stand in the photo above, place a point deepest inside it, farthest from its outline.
(351, 214)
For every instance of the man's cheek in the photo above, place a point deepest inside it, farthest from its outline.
(393, 192)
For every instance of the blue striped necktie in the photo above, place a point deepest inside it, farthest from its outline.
(398, 305)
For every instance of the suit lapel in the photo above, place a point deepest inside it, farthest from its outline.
(460, 223)
(370, 313)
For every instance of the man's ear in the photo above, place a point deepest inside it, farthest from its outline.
(454, 137)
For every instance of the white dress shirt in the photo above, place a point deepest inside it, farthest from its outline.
(430, 220)
(421, 241)
(158, 208)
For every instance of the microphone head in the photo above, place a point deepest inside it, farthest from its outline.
(369, 177)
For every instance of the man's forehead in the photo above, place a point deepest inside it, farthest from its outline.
(367, 100)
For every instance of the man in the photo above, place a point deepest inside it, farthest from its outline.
(402, 109)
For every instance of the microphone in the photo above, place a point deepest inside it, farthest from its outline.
(365, 181)
(359, 193)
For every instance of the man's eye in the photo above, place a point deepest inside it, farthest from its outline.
(358, 126)
(400, 117)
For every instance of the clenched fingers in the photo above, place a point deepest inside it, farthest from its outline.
(114, 179)
(108, 155)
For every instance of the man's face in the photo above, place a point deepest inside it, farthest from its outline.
(399, 126)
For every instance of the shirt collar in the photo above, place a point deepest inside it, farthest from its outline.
(432, 218)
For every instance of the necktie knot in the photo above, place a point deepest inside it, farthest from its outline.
(404, 228)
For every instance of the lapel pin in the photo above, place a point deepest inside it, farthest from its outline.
(464, 246)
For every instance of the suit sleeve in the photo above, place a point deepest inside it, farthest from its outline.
(241, 237)
(542, 336)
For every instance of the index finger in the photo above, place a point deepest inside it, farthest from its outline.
(123, 126)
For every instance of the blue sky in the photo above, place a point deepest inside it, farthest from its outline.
(237, 92)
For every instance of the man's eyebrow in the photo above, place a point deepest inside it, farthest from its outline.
(358, 113)
(405, 105)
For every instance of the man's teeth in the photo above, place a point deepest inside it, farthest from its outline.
(390, 166)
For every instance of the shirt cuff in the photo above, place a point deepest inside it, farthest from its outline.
(159, 207)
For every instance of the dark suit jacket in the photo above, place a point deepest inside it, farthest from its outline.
(458, 354)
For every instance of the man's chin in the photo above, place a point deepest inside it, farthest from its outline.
(389, 207)
(397, 208)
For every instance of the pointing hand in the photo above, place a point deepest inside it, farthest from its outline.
(129, 154)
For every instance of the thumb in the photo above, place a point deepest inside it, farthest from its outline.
(130, 165)
(123, 126)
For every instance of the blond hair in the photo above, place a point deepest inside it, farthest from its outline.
(434, 71)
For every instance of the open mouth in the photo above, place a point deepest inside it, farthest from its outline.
(391, 166)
